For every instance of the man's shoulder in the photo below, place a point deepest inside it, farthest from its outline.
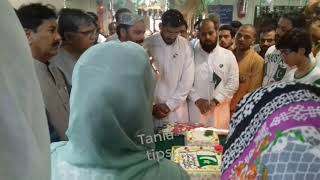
(151, 40)
(257, 57)
(225, 51)
(152, 37)
(271, 50)
(183, 40)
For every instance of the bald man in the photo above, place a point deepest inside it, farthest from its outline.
(250, 64)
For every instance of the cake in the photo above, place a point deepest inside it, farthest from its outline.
(201, 137)
(200, 162)
(178, 128)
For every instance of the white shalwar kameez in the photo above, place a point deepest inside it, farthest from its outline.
(216, 76)
(176, 67)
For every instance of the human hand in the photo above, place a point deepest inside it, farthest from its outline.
(203, 105)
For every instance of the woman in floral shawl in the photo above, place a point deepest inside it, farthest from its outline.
(275, 134)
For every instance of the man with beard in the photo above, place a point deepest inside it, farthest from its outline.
(78, 32)
(117, 16)
(267, 39)
(173, 57)
(275, 68)
(131, 27)
(250, 64)
(216, 79)
(39, 23)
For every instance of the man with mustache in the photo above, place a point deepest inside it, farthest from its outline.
(78, 32)
(250, 64)
(267, 39)
(173, 57)
(216, 79)
(117, 16)
(39, 23)
(131, 27)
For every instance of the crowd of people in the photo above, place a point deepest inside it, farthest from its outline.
(100, 92)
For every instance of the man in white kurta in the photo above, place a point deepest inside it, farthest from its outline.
(174, 60)
(216, 76)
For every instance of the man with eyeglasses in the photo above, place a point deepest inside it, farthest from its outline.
(275, 69)
(100, 38)
(78, 33)
(295, 48)
(39, 23)
(250, 64)
(174, 59)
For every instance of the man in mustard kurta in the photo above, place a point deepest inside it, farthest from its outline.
(250, 64)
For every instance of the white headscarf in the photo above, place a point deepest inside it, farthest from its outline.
(24, 136)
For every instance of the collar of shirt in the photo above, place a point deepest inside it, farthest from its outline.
(40, 65)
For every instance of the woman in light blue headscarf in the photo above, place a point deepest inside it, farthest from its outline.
(110, 108)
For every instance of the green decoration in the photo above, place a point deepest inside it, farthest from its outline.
(208, 133)
(205, 160)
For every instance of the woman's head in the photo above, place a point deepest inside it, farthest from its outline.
(111, 103)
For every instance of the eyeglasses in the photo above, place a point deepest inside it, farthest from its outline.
(285, 52)
(92, 33)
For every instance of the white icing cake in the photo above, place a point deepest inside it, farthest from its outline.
(201, 137)
(200, 162)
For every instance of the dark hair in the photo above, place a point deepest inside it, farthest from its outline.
(267, 29)
(236, 24)
(172, 18)
(94, 17)
(122, 26)
(110, 25)
(295, 39)
(120, 11)
(32, 15)
(71, 19)
(228, 28)
(297, 20)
